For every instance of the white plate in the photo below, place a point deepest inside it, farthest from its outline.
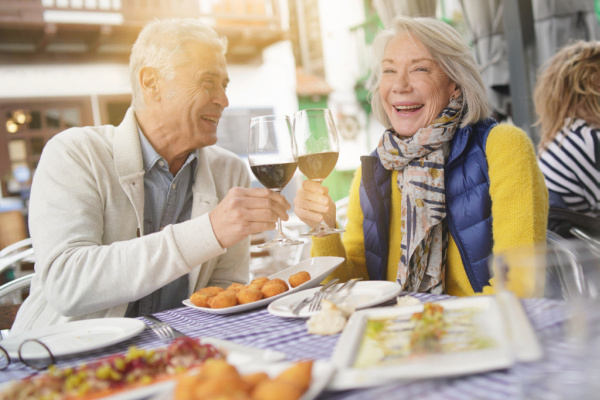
(363, 295)
(321, 374)
(487, 319)
(317, 267)
(239, 355)
(78, 336)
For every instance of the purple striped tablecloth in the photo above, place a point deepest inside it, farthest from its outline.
(258, 328)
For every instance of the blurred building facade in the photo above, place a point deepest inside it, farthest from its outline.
(64, 63)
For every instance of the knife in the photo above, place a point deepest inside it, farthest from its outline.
(158, 321)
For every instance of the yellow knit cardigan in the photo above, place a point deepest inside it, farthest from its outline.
(519, 212)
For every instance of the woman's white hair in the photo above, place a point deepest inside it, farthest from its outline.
(161, 45)
(449, 50)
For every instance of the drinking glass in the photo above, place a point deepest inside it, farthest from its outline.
(318, 151)
(273, 158)
(559, 283)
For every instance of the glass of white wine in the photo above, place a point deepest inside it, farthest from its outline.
(273, 158)
(318, 151)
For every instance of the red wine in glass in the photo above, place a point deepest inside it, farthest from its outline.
(273, 158)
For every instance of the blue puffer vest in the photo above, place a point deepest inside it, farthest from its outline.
(469, 206)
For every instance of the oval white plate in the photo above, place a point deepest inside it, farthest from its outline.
(364, 294)
(317, 267)
(78, 336)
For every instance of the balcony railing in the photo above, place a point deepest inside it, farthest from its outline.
(57, 29)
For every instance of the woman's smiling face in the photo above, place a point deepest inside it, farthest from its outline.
(413, 88)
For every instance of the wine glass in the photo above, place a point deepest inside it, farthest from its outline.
(318, 151)
(273, 158)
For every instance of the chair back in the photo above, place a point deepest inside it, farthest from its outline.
(16, 266)
(8, 312)
(18, 258)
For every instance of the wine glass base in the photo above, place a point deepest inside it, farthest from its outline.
(278, 242)
(322, 231)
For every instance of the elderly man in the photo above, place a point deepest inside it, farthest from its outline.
(130, 220)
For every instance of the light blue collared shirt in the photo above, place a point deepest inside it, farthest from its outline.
(167, 200)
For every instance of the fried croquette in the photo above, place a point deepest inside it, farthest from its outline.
(280, 281)
(185, 387)
(299, 374)
(217, 379)
(245, 296)
(299, 278)
(220, 387)
(254, 379)
(211, 290)
(223, 300)
(276, 390)
(218, 366)
(236, 286)
(260, 279)
(256, 286)
(199, 299)
(271, 289)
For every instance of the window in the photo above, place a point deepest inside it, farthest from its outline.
(26, 127)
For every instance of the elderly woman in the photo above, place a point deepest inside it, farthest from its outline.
(567, 100)
(447, 185)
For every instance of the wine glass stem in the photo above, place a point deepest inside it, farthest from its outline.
(279, 229)
(322, 224)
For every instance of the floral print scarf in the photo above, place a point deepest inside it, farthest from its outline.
(420, 161)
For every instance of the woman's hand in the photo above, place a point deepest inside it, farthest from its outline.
(313, 204)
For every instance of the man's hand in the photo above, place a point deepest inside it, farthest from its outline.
(313, 204)
(246, 211)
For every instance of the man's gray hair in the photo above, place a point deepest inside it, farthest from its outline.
(449, 50)
(161, 45)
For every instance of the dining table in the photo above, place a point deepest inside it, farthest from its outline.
(547, 378)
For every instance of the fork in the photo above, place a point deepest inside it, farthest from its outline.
(316, 302)
(300, 305)
(345, 286)
(163, 331)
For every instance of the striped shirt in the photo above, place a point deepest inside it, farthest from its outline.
(571, 166)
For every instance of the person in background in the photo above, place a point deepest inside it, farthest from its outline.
(130, 220)
(567, 101)
(447, 187)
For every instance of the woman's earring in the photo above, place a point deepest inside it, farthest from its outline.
(451, 98)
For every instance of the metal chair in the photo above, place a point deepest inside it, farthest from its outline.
(16, 254)
(8, 312)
